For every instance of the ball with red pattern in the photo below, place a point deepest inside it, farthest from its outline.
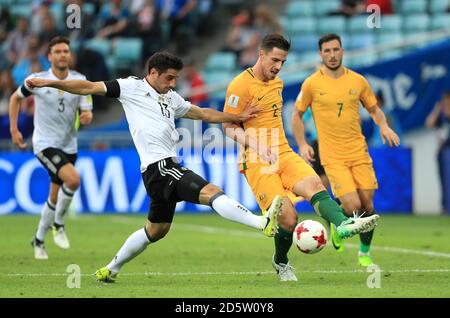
(310, 236)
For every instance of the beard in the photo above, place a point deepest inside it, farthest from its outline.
(334, 68)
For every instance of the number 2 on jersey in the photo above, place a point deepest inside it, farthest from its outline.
(341, 106)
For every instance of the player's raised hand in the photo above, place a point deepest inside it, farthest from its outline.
(17, 139)
(37, 82)
(387, 134)
(249, 112)
(86, 117)
(307, 153)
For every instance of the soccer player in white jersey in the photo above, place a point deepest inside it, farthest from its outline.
(151, 106)
(54, 139)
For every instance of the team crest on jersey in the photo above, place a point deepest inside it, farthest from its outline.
(233, 101)
(56, 159)
(353, 92)
(163, 99)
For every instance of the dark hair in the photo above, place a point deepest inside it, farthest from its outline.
(162, 61)
(56, 40)
(328, 38)
(275, 40)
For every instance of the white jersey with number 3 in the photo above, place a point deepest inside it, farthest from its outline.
(55, 113)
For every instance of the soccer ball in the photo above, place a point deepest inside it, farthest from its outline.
(310, 236)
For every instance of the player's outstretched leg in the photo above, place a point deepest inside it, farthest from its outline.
(133, 246)
(345, 226)
(234, 211)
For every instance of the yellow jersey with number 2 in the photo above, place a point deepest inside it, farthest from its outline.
(244, 90)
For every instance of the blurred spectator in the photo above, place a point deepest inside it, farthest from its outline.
(92, 65)
(192, 82)
(38, 13)
(48, 31)
(18, 40)
(242, 35)
(113, 20)
(351, 8)
(392, 121)
(439, 118)
(385, 5)
(178, 14)
(33, 59)
(206, 25)
(266, 21)
(25, 120)
(146, 27)
(7, 87)
(6, 23)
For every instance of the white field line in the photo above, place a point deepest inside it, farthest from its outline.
(252, 273)
(251, 233)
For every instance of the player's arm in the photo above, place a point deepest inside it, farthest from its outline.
(238, 134)
(14, 108)
(303, 101)
(306, 151)
(80, 87)
(213, 116)
(387, 134)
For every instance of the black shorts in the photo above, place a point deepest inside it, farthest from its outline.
(317, 166)
(167, 182)
(53, 160)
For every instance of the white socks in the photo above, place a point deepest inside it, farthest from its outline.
(133, 246)
(65, 196)
(232, 210)
(47, 218)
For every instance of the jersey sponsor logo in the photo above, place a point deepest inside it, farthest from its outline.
(259, 98)
(233, 101)
(148, 94)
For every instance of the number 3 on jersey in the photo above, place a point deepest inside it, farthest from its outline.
(62, 105)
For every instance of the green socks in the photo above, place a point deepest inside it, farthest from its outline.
(327, 208)
(283, 242)
(366, 240)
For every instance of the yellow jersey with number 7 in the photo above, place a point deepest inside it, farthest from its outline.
(244, 90)
(335, 107)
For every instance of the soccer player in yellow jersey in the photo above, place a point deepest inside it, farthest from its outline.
(271, 167)
(334, 93)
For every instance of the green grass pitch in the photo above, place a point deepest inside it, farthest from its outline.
(207, 256)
